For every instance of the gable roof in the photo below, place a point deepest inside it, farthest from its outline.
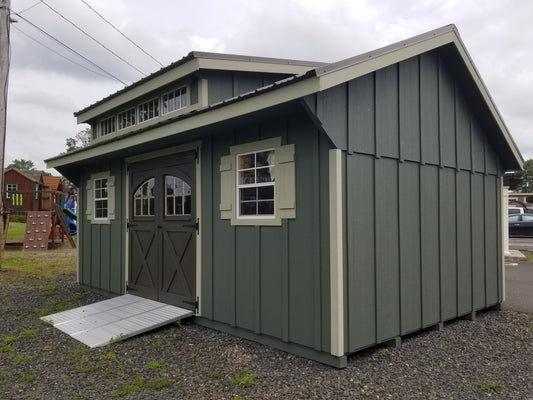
(313, 80)
(33, 175)
(53, 181)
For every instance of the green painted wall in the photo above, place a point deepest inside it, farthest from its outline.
(269, 280)
(422, 199)
(101, 250)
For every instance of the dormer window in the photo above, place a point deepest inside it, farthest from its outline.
(148, 110)
(107, 126)
(126, 119)
(174, 100)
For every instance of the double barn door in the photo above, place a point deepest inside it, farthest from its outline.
(162, 230)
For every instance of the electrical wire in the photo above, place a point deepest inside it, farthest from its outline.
(92, 38)
(69, 48)
(115, 28)
(59, 54)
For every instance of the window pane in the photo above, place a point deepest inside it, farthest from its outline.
(247, 177)
(248, 194)
(265, 158)
(247, 161)
(248, 208)
(170, 206)
(265, 207)
(138, 205)
(265, 193)
(187, 205)
(264, 175)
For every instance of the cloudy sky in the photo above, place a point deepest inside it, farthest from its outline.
(45, 89)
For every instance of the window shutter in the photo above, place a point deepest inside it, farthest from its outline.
(89, 199)
(111, 197)
(227, 187)
(285, 181)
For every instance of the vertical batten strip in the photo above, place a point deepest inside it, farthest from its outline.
(336, 252)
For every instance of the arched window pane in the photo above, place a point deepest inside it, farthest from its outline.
(144, 199)
(178, 196)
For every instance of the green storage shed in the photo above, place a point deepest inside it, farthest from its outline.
(317, 208)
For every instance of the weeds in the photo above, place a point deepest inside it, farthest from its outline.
(24, 334)
(50, 290)
(244, 379)
(159, 344)
(27, 377)
(139, 385)
(491, 386)
(157, 365)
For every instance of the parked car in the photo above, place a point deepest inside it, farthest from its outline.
(520, 225)
(519, 210)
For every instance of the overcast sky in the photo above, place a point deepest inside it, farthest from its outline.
(45, 89)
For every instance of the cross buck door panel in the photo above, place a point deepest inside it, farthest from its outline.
(162, 227)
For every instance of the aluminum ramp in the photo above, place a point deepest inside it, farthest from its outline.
(124, 316)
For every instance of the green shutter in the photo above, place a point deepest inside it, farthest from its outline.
(89, 200)
(111, 197)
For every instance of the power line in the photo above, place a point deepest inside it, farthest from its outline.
(92, 38)
(69, 48)
(59, 54)
(115, 28)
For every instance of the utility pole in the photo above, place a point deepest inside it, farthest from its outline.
(5, 9)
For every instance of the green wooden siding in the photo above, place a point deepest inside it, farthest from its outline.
(422, 199)
(101, 251)
(269, 280)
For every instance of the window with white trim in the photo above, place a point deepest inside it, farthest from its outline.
(256, 184)
(11, 187)
(126, 118)
(148, 110)
(107, 126)
(100, 198)
(174, 100)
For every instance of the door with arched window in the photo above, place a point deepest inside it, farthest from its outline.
(162, 229)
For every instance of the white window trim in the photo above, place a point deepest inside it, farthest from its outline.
(99, 126)
(255, 185)
(89, 189)
(97, 199)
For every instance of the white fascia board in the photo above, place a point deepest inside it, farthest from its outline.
(246, 66)
(137, 91)
(239, 108)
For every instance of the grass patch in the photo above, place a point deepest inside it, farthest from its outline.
(528, 254)
(27, 377)
(24, 334)
(55, 306)
(139, 385)
(26, 265)
(491, 386)
(16, 232)
(244, 379)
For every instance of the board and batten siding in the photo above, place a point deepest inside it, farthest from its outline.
(422, 200)
(102, 249)
(272, 281)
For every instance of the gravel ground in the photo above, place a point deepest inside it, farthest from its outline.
(491, 357)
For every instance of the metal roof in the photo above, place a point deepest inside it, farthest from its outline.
(319, 78)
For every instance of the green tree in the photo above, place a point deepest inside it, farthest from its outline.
(22, 165)
(527, 178)
(79, 140)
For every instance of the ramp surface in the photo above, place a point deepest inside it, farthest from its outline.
(124, 316)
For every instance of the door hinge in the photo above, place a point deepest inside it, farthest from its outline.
(195, 226)
(195, 303)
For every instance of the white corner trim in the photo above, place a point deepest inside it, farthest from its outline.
(336, 252)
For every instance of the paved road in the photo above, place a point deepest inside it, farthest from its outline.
(519, 287)
(521, 244)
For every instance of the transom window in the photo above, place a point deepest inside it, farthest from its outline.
(144, 199)
(100, 198)
(107, 126)
(149, 110)
(255, 184)
(178, 196)
(174, 100)
(126, 118)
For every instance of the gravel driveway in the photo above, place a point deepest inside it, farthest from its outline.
(491, 357)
